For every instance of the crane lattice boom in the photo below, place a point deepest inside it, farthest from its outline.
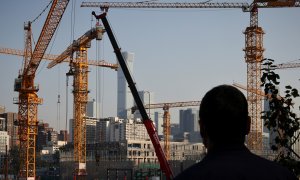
(242, 5)
(52, 57)
(172, 105)
(84, 40)
(54, 16)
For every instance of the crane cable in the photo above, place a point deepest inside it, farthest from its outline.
(41, 12)
(71, 60)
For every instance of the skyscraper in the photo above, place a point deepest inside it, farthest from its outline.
(11, 127)
(188, 122)
(147, 98)
(92, 109)
(158, 119)
(124, 98)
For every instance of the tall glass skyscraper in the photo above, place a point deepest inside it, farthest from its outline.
(124, 98)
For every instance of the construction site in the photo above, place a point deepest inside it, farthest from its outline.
(72, 65)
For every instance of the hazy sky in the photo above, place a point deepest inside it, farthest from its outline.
(179, 53)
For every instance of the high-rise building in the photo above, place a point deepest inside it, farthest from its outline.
(124, 97)
(4, 142)
(11, 127)
(2, 124)
(102, 130)
(147, 98)
(133, 129)
(188, 121)
(92, 109)
(159, 120)
(91, 134)
(52, 137)
(42, 136)
(63, 135)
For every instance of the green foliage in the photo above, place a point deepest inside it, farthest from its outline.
(280, 119)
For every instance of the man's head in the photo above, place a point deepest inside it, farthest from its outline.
(224, 116)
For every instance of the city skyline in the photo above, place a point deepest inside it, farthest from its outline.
(179, 54)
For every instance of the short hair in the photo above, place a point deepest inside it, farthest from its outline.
(224, 113)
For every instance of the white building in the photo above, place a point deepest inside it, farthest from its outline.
(120, 130)
(133, 130)
(4, 141)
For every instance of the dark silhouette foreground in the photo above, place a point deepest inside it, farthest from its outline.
(224, 123)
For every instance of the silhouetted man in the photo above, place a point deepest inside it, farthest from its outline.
(224, 123)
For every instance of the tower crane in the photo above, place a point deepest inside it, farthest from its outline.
(79, 71)
(275, 66)
(28, 99)
(52, 57)
(166, 118)
(253, 46)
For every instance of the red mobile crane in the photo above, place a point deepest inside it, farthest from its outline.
(146, 120)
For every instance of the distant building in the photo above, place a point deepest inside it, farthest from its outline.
(2, 124)
(4, 142)
(142, 151)
(188, 121)
(52, 137)
(147, 98)
(92, 109)
(2, 109)
(175, 129)
(71, 130)
(102, 129)
(159, 120)
(11, 127)
(121, 130)
(63, 135)
(91, 134)
(124, 97)
(42, 136)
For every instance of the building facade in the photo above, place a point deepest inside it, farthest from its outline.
(159, 120)
(91, 133)
(4, 142)
(11, 127)
(92, 109)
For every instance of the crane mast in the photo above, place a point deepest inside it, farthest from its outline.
(253, 46)
(79, 71)
(253, 57)
(28, 100)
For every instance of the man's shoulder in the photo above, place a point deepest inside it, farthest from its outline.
(243, 165)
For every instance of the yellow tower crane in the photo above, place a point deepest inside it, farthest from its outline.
(253, 46)
(79, 71)
(28, 99)
(167, 119)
